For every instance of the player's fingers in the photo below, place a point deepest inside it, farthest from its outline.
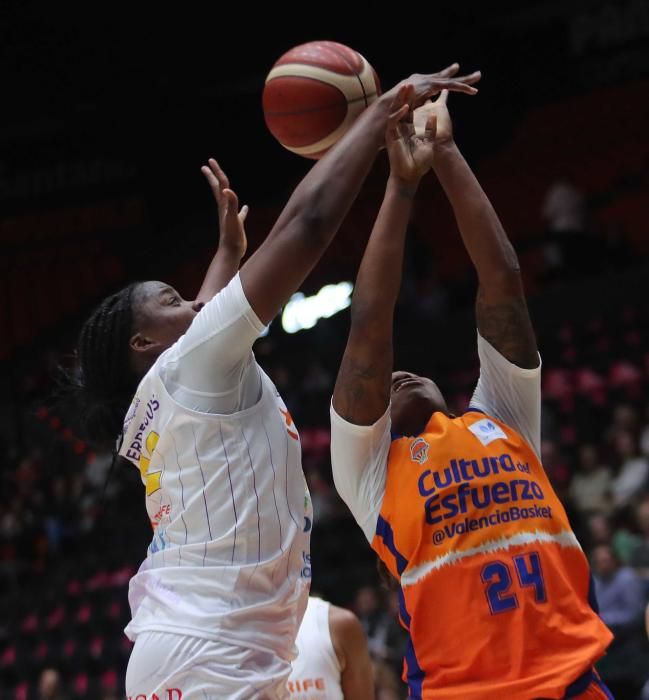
(391, 134)
(471, 78)
(231, 202)
(443, 97)
(406, 129)
(243, 213)
(397, 116)
(212, 182)
(457, 86)
(218, 172)
(431, 128)
(449, 70)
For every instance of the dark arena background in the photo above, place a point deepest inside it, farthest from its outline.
(106, 119)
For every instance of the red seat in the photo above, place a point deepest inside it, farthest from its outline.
(80, 684)
(110, 680)
(8, 657)
(592, 385)
(69, 648)
(55, 618)
(21, 691)
(29, 624)
(624, 374)
(558, 383)
(96, 648)
(84, 613)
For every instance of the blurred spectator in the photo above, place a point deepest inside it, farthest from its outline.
(644, 435)
(367, 605)
(621, 599)
(555, 465)
(640, 554)
(565, 214)
(317, 379)
(600, 532)
(624, 419)
(591, 485)
(396, 637)
(633, 471)
(323, 496)
(50, 686)
(564, 208)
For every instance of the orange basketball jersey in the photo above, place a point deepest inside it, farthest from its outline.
(495, 589)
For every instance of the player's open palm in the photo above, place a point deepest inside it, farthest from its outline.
(411, 156)
(232, 234)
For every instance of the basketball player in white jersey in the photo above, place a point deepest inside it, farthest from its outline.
(217, 603)
(333, 661)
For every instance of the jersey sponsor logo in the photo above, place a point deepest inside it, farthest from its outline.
(419, 451)
(167, 694)
(150, 479)
(457, 529)
(444, 501)
(163, 512)
(305, 571)
(131, 413)
(487, 431)
(159, 542)
(135, 448)
(305, 684)
(290, 425)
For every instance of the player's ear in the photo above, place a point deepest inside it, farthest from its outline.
(141, 343)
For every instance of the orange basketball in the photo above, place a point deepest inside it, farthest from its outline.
(314, 93)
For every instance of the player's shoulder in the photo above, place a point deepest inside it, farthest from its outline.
(344, 624)
(342, 616)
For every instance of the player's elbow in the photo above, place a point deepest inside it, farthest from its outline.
(315, 219)
(369, 317)
(504, 279)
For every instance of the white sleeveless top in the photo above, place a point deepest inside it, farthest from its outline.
(231, 517)
(315, 674)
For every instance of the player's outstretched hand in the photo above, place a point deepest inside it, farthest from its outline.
(427, 85)
(232, 234)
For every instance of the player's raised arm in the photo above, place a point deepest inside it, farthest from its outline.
(501, 310)
(320, 202)
(362, 390)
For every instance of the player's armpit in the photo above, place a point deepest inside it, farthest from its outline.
(506, 325)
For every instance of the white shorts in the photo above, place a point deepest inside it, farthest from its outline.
(176, 667)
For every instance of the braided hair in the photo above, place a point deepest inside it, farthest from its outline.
(104, 379)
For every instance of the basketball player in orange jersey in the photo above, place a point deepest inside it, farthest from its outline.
(495, 590)
(333, 661)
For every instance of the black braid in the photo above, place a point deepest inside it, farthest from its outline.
(105, 381)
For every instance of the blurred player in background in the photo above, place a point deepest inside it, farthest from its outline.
(495, 589)
(333, 661)
(217, 603)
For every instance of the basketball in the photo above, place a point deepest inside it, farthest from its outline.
(314, 93)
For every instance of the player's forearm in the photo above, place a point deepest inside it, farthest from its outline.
(224, 266)
(362, 390)
(484, 237)
(379, 276)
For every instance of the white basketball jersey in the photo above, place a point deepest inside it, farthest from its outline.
(231, 518)
(315, 673)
